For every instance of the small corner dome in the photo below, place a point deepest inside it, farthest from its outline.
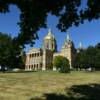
(49, 35)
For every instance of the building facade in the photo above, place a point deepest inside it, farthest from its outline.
(41, 58)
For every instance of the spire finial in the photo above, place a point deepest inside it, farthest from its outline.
(49, 31)
(68, 36)
(80, 45)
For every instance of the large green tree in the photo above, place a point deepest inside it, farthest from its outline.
(10, 53)
(62, 64)
(5, 50)
(97, 59)
(34, 14)
(88, 58)
(80, 60)
(91, 56)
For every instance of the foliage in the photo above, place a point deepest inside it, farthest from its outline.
(78, 62)
(88, 58)
(5, 49)
(62, 64)
(97, 59)
(34, 14)
(10, 53)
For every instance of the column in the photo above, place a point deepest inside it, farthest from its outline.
(27, 62)
(44, 60)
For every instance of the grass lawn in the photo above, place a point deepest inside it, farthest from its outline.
(49, 85)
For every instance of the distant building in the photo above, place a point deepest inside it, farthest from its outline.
(80, 48)
(41, 59)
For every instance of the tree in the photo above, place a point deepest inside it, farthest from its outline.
(88, 58)
(10, 56)
(91, 55)
(80, 60)
(62, 64)
(5, 50)
(97, 47)
(34, 14)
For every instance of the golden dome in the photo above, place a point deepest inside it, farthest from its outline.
(49, 35)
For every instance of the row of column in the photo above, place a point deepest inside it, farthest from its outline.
(35, 54)
(34, 61)
(34, 67)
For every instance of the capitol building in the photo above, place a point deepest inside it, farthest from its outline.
(42, 58)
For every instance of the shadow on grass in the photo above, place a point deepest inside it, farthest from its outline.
(76, 92)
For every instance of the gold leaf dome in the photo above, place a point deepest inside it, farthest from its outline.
(49, 35)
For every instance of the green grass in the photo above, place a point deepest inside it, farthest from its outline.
(49, 85)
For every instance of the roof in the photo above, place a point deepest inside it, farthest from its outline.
(34, 50)
(49, 35)
(67, 41)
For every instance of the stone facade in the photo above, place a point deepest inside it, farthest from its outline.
(67, 50)
(41, 59)
(34, 59)
(50, 42)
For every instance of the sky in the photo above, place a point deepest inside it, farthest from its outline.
(87, 33)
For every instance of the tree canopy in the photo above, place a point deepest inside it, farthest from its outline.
(34, 14)
(5, 49)
(62, 64)
(88, 58)
(10, 53)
